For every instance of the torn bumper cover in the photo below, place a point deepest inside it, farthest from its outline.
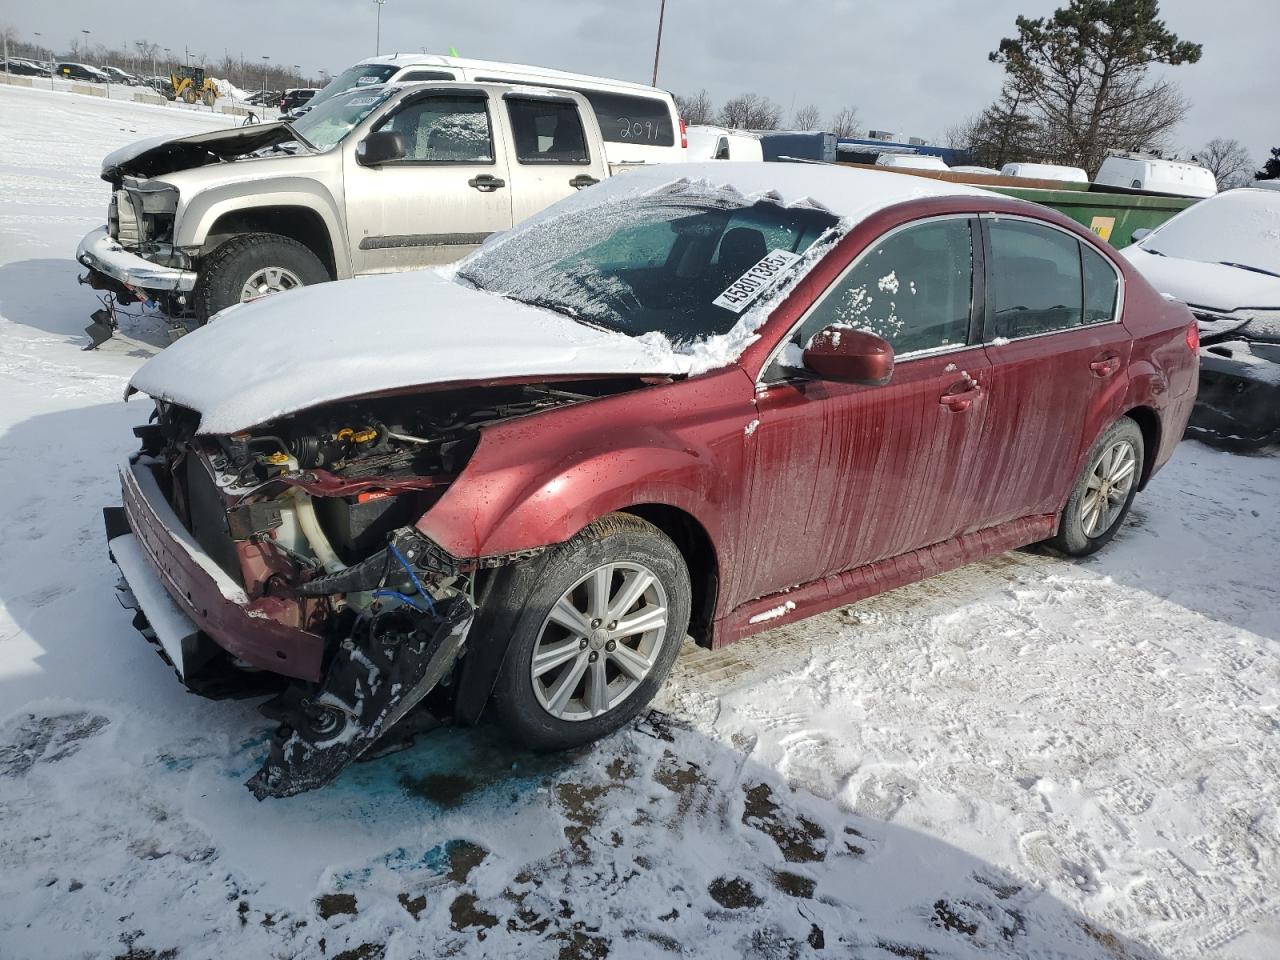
(98, 251)
(1238, 405)
(354, 689)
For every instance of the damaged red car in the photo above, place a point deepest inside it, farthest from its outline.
(702, 400)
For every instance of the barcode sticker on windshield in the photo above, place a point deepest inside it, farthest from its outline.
(744, 291)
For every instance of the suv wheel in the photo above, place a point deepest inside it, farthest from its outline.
(1103, 493)
(593, 636)
(251, 266)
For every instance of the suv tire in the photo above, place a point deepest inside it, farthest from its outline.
(232, 265)
(1103, 493)
(536, 711)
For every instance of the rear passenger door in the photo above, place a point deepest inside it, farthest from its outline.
(554, 151)
(1059, 359)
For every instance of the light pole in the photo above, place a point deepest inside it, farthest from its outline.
(297, 74)
(377, 47)
(265, 58)
(657, 49)
(39, 47)
(86, 43)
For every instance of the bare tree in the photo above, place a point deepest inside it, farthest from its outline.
(1228, 160)
(750, 111)
(844, 123)
(1083, 72)
(696, 109)
(807, 117)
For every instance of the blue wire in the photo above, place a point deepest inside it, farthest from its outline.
(412, 576)
(399, 596)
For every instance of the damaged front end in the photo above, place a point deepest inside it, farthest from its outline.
(1238, 404)
(293, 549)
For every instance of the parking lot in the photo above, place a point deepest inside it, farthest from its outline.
(1024, 757)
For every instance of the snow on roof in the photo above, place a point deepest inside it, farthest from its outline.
(439, 60)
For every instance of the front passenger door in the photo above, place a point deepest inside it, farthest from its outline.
(441, 200)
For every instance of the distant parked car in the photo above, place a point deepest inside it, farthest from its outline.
(116, 75)
(263, 97)
(705, 401)
(294, 98)
(1045, 171)
(24, 68)
(910, 161)
(80, 71)
(1221, 257)
(1136, 171)
(721, 143)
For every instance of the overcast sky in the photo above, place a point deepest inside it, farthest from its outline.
(914, 68)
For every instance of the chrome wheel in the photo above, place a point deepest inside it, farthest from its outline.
(1107, 490)
(267, 281)
(600, 641)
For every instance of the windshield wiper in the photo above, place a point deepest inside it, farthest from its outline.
(1245, 266)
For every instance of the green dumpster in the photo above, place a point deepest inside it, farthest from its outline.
(1112, 216)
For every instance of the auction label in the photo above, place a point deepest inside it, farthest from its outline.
(748, 287)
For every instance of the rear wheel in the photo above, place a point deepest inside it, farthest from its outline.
(252, 266)
(594, 636)
(1104, 492)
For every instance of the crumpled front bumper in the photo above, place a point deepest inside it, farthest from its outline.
(99, 252)
(1238, 405)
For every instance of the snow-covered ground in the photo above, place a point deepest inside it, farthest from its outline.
(1023, 758)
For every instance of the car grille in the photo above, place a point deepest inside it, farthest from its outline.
(209, 518)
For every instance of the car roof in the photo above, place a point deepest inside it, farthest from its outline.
(439, 60)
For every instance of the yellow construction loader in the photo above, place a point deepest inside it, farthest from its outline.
(190, 84)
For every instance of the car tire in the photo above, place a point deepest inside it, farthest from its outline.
(226, 272)
(1112, 471)
(534, 711)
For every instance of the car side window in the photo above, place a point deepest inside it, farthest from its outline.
(547, 131)
(444, 130)
(1036, 286)
(1101, 287)
(414, 75)
(914, 288)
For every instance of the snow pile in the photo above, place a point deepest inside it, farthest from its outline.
(226, 88)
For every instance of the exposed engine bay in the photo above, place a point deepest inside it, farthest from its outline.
(1238, 404)
(313, 516)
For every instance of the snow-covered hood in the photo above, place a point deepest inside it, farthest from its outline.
(159, 155)
(1214, 286)
(334, 341)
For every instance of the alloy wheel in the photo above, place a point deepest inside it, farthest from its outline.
(267, 281)
(600, 641)
(1107, 489)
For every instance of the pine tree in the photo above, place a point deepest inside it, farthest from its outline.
(1271, 169)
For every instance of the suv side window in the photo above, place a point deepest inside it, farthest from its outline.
(1036, 285)
(1101, 288)
(414, 75)
(547, 131)
(914, 289)
(444, 130)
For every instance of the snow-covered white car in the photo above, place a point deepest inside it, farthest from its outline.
(526, 481)
(1221, 257)
(375, 180)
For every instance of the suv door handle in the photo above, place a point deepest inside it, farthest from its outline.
(582, 180)
(1105, 365)
(486, 183)
(960, 400)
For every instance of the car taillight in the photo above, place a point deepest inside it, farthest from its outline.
(684, 134)
(1193, 337)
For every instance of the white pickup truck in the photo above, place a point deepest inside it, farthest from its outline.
(377, 179)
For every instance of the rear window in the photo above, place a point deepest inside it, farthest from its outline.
(1101, 288)
(547, 132)
(1035, 279)
(622, 117)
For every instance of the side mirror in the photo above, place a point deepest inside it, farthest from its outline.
(849, 356)
(381, 146)
(1140, 234)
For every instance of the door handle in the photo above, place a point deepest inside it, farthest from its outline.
(1105, 365)
(486, 183)
(960, 397)
(582, 180)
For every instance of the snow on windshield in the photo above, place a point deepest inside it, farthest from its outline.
(1239, 227)
(688, 264)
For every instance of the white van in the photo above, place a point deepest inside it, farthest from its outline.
(1136, 171)
(640, 124)
(1044, 171)
(721, 143)
(910, 161)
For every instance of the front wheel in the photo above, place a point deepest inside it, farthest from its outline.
(1104, 492)
(252, 266)
(593, 636)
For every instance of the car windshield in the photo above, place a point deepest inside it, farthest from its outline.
(328, 123)
(1240, 228)
(361, 75)
(680, 263)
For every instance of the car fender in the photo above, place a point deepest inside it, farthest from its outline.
(197, 215)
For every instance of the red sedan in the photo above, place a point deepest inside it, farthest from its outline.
(700, 400)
